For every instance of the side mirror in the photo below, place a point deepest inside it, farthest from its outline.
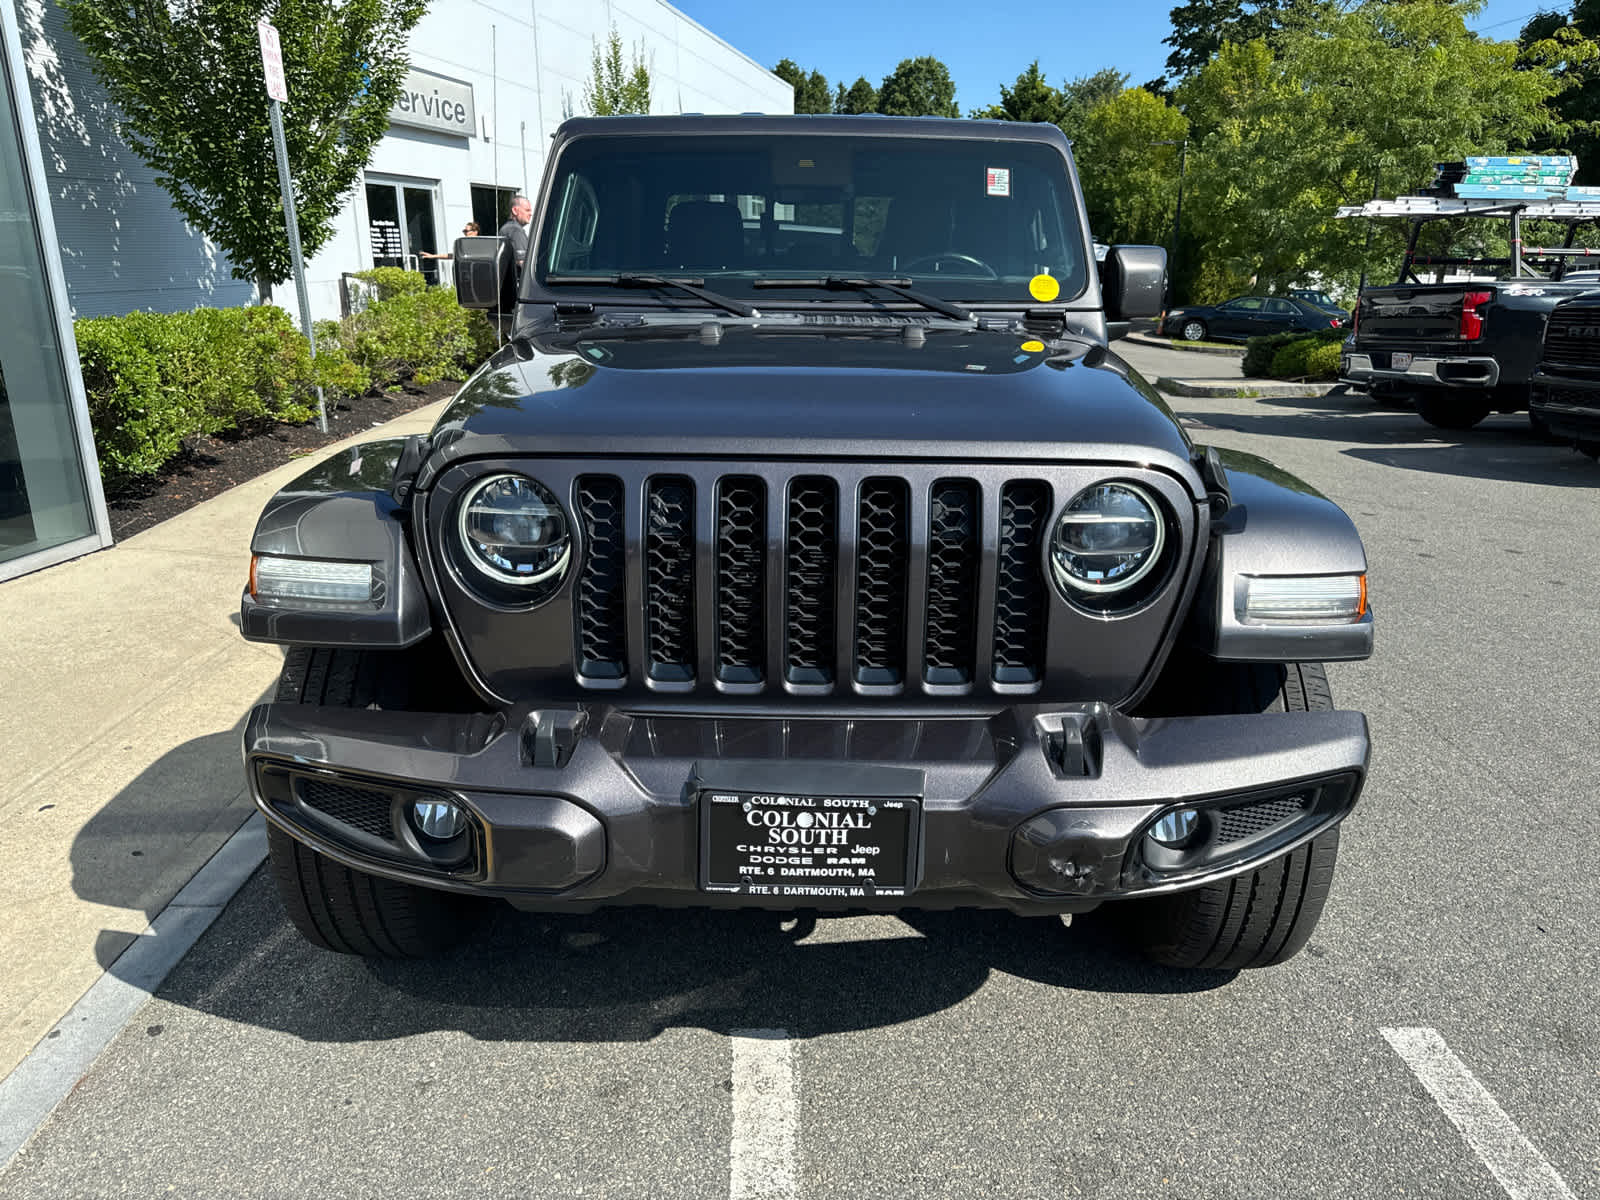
(481, 264)
(1133, 282)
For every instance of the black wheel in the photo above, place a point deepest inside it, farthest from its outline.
(338, 907)
(1451, 412)
(1265, 916)
(1540, 429)
(1592, 449)
(1193, 330)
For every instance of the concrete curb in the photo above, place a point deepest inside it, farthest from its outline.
(1160, 343)
(1245, 389)
(53, 1068)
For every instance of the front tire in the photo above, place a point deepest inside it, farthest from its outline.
(1450, 411)
(336, 907)
(1262, 917)
(1193, 331)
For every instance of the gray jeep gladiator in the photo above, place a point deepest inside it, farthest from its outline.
(806, 547)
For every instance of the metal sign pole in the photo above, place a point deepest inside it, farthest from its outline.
(277, 92)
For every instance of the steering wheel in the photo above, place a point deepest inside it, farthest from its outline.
(952, 256)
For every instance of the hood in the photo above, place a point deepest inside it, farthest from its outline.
(883, 388)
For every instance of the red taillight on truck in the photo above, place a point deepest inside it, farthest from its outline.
(1471, 318)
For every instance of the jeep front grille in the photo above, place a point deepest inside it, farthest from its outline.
(1572, 338)
(900, 598)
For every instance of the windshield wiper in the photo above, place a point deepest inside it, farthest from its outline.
(900, 287)
(695, 287)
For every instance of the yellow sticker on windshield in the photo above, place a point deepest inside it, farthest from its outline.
(1033, 347)
(1043, 288)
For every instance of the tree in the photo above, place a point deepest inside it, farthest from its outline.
(1130, 179)
(616, 88)
(811, 92)
(1576, 33)
(1081, 96)
(186, 77)
(1200, 27)
(919, 87)
(1282, 134)
(1029, 99)
(861, 98)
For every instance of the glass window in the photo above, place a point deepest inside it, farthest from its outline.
(963, 218)
(1280, 308)
(491, 207)
(44, 499)
(1245, 304)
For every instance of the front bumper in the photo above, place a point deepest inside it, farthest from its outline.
(1427, 370)
(1570, 407)
(1032, 809)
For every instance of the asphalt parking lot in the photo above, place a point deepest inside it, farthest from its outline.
(638, 1053)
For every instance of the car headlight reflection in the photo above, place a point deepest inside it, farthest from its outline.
(1108, 538)
(514, 531)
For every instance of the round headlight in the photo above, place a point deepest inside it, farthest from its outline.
(1108, 538)
(514, 530)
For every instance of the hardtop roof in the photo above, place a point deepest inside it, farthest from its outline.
(865, 124)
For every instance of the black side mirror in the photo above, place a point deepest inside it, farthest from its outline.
(481, 266)
(1133, 282)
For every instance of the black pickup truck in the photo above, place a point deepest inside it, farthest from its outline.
(1458, 350)
(1565, 397)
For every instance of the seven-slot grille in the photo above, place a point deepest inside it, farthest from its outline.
(1573, 337)
(808, 582)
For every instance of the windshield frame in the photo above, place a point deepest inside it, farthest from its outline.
(533, 292)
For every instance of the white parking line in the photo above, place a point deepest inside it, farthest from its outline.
(1523, 1172)
(762, 1157)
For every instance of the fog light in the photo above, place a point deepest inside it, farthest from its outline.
(438, 819)
(1176, 827)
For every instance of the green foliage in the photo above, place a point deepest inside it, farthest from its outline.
(861, 98)
(811, 92)
(1287, 355)
(187, 81)
(393, 281)
(1029, 99)
(1130, 184)
(154, 379)
(616, 88)
(918, 87)
(1081, 96)
(413, 334)
(1200, 27)
(1284, 133)
(1566, 44)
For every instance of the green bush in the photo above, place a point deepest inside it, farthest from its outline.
(393, 281)
(1260, 353)
(410, 333)
(1306, 358)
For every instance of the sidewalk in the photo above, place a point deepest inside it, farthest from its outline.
(125, 684)
(1185, 373)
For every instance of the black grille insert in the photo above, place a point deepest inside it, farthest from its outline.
(366, 809)
(882, 558)
(952, 632)
(1572, 337)
(1021, 602)
(810, 580)
(1246, 820)
(741, 578)
(669, 578)
(601, 611)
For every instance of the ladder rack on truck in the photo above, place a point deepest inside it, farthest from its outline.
(1419, 210)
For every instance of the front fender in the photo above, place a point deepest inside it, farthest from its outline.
(1276, 525)
(342, 509)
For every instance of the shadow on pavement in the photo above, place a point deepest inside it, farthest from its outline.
(1503, 448)
(152, 836)
(625, 975)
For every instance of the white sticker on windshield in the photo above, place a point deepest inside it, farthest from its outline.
(998, 181)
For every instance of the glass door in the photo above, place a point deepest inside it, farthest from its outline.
(403, 225)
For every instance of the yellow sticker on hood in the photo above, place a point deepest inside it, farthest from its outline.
(1044, 288)
(1033, 347)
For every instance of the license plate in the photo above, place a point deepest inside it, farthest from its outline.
(1401, 361)
(800, 846)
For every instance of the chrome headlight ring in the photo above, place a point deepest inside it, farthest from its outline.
(1109, 538)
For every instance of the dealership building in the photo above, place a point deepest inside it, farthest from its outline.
(86, 231)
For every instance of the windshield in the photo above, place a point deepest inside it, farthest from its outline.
(962, 219)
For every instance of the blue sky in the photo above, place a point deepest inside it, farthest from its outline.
(983, 44)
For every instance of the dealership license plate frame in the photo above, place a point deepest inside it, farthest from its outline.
(895, 793)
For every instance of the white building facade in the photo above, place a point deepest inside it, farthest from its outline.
(489, 85)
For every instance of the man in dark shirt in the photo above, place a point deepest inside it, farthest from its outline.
(515, 231)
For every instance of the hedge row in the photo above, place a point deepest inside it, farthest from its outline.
(1293, 355)
(155, 379)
